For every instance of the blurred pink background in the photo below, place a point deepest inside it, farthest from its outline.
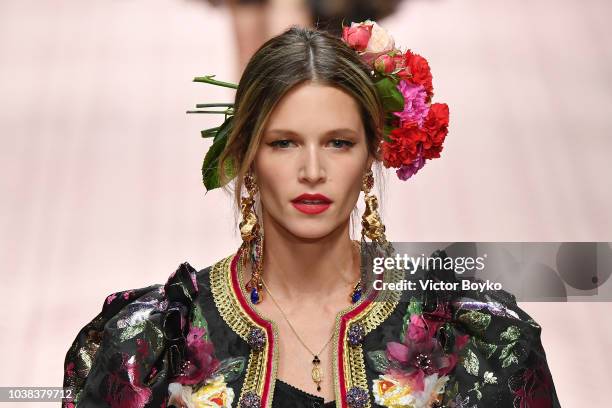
(100, 183)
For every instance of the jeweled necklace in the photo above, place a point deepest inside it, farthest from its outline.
(316, 372)
(354, 296)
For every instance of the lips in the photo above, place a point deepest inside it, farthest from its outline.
(311, 203)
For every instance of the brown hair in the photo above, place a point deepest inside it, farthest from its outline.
(286, 60)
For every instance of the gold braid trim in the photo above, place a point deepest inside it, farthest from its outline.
(241, 323)
(226, 300)
(370, 318)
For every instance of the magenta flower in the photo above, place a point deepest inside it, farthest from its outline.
(200, 362)
(127, 392)
(126, 295)
(407, 171)
(110, 298)
(416, 360)
(421, 354)
(415, 107)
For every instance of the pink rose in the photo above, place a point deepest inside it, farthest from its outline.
(357, 35)
(380, 43)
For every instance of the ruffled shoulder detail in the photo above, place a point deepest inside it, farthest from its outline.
(136, 345)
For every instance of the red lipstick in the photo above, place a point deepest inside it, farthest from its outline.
(311, 203)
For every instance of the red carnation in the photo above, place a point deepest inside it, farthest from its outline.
(436, 127)
(403, 148)
(417, 71)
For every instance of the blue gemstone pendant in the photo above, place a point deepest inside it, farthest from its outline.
(356, 295)
(254, 296)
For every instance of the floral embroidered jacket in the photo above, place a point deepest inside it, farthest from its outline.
(197, 341)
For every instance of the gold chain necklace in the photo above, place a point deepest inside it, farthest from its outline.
(316, 372)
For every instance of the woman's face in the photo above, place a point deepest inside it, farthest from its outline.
(311, 160)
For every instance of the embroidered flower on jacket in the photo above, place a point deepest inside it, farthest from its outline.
(390, 392)
(531, 387)
(415, 370)
(201, 362)
(214, 393)
(127, 392)
(420, 355)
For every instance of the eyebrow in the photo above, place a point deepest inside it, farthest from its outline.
(339, 132)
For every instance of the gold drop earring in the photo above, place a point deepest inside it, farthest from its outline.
(373, 227)
(252, 238)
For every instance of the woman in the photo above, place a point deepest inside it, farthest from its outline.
(295, 322)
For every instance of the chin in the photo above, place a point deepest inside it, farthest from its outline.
(311, 229)
(308, 230)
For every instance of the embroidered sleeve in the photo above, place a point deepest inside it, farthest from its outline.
(503, 363)
(127, 354)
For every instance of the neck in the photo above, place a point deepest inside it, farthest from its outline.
(296, 268)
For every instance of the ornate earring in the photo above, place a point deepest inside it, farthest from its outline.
(373, 227)
(252, 238)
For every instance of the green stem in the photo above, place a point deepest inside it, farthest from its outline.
(202, 111)
(210, 105)
(209, 80)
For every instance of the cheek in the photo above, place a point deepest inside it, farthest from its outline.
(274, 177)
(349, 170)
(348, 180)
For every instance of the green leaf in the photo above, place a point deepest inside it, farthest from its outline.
(511, 334)
(470, 362)
(476, 321)
(198, 320)
(487, 348)
(225, 129)
(210, 166)
(414, 307)
(392, 98)
(211, 132)
(231, 368)
(508, 356)
(386, 131)
(132, 331)
(378, 360)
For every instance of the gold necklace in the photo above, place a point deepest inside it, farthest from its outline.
(316, 372)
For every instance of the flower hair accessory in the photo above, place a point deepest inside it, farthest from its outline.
(414, 128)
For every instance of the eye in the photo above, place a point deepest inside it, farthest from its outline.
(340, 143)
(281, 144)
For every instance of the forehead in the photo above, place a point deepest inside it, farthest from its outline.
(317, 108)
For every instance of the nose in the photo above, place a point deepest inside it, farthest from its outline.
(312, 168)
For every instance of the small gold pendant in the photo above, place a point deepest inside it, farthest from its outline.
(317, 374)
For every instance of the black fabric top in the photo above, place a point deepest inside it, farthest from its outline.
(286, 395)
